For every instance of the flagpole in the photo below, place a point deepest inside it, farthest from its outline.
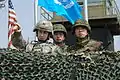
(35, 11)
(85, 10)
(8, 22)
(11, 24)
(35, 14)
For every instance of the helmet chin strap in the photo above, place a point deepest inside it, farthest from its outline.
(42, 41)
(58, 42)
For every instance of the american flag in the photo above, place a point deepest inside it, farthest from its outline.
(12, 22)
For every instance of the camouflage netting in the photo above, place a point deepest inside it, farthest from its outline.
(19, 65)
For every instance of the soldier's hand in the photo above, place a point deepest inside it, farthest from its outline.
(17, 28)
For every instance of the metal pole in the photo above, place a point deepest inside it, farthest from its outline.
(85, 10)
(35, 11)
(35, 15)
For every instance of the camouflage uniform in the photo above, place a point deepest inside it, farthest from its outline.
(84, 44)
(17, 39)
(60, 28)
(46, 47)
(41, 47)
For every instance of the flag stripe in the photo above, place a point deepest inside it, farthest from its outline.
(10, 43)
(12, 15)
(12, 12)
(11, 31)
(12, 22)
(12, 19)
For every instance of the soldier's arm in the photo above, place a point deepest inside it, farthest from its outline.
(97, 46)
(94, 46)
(17, 39)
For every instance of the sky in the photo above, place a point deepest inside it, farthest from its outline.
(25, 15)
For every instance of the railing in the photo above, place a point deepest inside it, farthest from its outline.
(117, 11)
(46, 14)
(110, 5)
(112, 9)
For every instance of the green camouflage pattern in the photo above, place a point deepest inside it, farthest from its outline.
(82, 23)
(18, 41)
(41, 47)
(21, 65)
(59, 27)
(61, 49)
(85, 45)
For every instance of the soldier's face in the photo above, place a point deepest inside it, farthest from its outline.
(59, 36)
(42, 35)
(81, 32)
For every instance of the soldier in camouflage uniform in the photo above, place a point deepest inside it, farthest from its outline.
(82, 30)
(59, 35)
(43, 31)
(17, 38)
(44, 44)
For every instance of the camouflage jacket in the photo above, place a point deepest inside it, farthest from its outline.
(61, 49)
(41, 47)
(20, 44)
(18, 41)
(87, 46)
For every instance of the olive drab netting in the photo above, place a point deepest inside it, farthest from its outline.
(19, 65)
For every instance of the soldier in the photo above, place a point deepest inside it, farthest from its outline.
(82, 30)
(43, 31)
(59, 35)
(17, 38)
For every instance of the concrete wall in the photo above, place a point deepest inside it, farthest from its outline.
(96, 11)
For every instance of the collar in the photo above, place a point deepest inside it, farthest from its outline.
(82, 41)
